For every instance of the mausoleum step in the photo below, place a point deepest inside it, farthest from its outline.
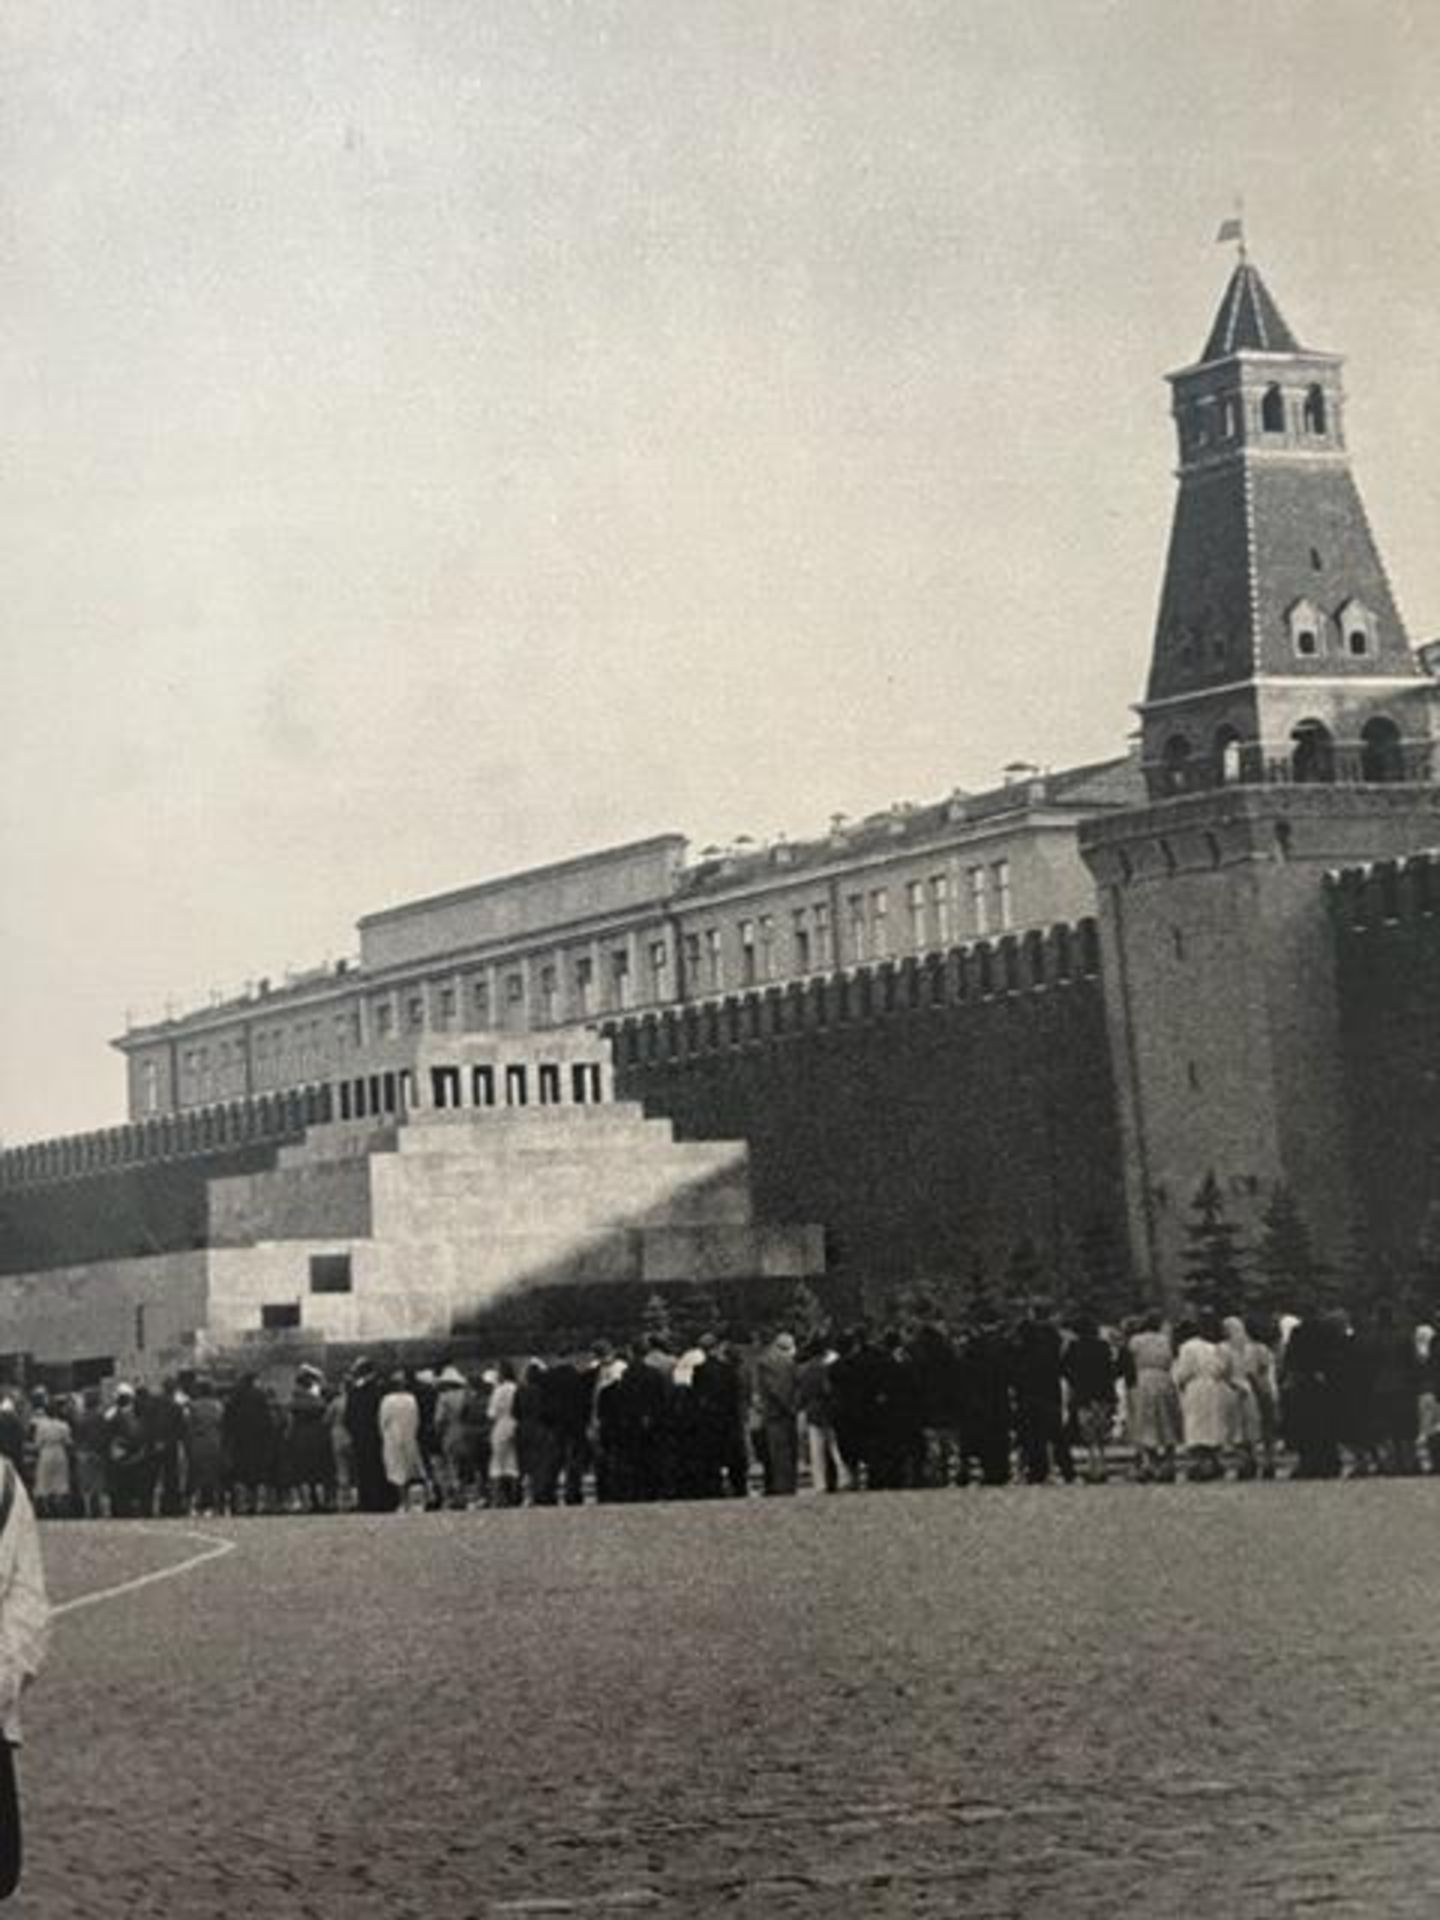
(534, 1187)
(561, 1150)
(610, 1117)
(699, 1211)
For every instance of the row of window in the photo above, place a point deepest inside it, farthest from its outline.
(756, 955)
(1350, 630)
(1353, 628)
(753, 951)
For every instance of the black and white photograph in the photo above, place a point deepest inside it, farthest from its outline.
(720, 959)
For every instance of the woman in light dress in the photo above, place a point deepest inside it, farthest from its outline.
(455, 1433)
(1257, 1399)
(1204, 1374)
(504, 1434)
(52, 1440)
(1154, 1400)
(1427, 1352)
(400, 1439)
(1245, 1409)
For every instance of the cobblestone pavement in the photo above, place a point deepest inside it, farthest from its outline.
(1041, 1702)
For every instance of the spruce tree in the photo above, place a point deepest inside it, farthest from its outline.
(697, 1311)
(977, 1301)
(1365, 1276)
(1024, 1273)
(1425, 1266)
(1104, 1279)
(1293, 1279)
(1213, 1258)
(655, 1317)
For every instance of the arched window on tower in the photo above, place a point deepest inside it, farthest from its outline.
(1382, 760)
(1272, 410)
(1177, 764)
(1312, 756)
(1229, 757)
(1315, 419)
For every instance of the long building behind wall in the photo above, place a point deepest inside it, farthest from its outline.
(640, 926)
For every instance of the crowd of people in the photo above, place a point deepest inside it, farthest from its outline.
(919, 1405)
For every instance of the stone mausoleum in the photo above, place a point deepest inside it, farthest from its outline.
(474, 1188)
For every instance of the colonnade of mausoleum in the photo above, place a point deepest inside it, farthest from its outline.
(431, 1074)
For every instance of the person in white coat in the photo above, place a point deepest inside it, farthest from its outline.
(400, 1440)
(1204, 1373)
(24, 1629)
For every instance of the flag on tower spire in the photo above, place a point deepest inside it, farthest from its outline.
(1234, 228)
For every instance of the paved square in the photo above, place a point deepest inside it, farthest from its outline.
(1030, 1702)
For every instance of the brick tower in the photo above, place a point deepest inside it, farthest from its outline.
(1287, 728)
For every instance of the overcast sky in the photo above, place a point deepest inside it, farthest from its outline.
(446, 435)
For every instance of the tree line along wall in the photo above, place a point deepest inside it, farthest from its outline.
(934, 1114)
(1386, 921)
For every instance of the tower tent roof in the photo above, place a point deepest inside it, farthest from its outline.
(1248, 320)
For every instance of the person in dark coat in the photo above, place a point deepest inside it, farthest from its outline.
(638, 1411)
(536, 1439)
(897, 1435)
(206, 1449)
(249, 1444)
(124, 1454)
(775, 1398)
(172, 1430)
(1351, 1366)
(1090, 1371)
(373, 1491)
(1310, 1396)
(853, 1391)
(986, 1401)
(311, 1464)
(1395, 1376)
(607, 1422)
(717, 1387)
(570, 1395)
(150, 1412)
(937, 1376)
(1039, 1408)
